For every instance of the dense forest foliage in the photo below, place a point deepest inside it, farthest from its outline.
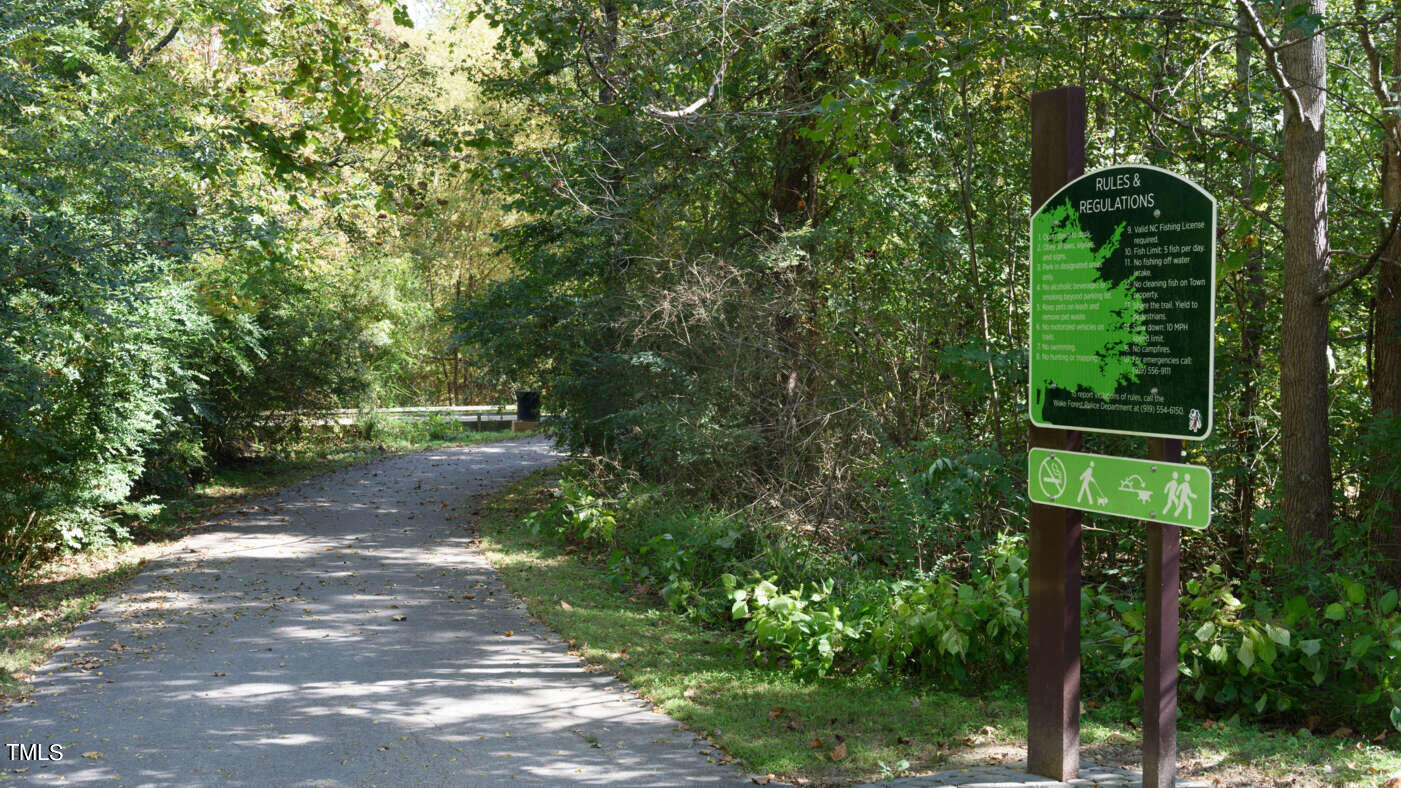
(775, 265)
(210, 212)
(768, 260)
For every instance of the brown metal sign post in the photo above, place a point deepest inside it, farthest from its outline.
(1121, 340)
(1053, 636)
(1160, 640)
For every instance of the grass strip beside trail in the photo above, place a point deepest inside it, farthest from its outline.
(848, 728)
(38, 612)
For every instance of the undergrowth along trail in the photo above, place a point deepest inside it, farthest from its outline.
(842, 725)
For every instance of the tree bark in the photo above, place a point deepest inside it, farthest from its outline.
(454, 387)
(155, 49)
(791, 200)
(608, 45)
(1386, 332)
(1306, 484)
(117, 40)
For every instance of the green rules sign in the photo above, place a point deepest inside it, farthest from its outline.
(1123, 305)
(1164, 492)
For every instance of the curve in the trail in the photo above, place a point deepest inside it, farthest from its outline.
(344, 632)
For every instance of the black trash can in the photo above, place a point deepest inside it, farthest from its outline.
(528, 405)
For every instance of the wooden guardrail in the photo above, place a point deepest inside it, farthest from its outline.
(492, 415)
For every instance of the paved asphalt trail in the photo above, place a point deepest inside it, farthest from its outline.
(270, 650)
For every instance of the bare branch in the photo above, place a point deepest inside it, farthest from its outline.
(709, 96)
(1161, 17)
(1201, 60)
(588, 58)
(159, 45)
(1374, 58)
(1185, 124)
(1271, 50)
(1365, 268)
(1374, 70)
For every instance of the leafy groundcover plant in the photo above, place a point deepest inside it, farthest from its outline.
(1295, 662)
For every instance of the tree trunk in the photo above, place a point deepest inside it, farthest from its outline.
(1386, 332)
(1306, 484)
(1251, 306)
(791, 206)
(965, 196)
(608, 45)
(454, 387)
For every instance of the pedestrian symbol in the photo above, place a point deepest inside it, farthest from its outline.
(1087, 479)
(1180, 494)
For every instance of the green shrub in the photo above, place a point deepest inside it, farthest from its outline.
(84, 396)
(576, 513)
(1279, 662)
(936, 507)
(803, 626)
(941, 626)
(370, 425)
(1341, 658)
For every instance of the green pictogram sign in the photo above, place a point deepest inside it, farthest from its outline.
(1123, 305)
(1164, 492)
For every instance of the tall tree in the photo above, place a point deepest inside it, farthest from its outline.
(792, 205)
(1384, 361)
(1386, 337)
(1298, 62)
